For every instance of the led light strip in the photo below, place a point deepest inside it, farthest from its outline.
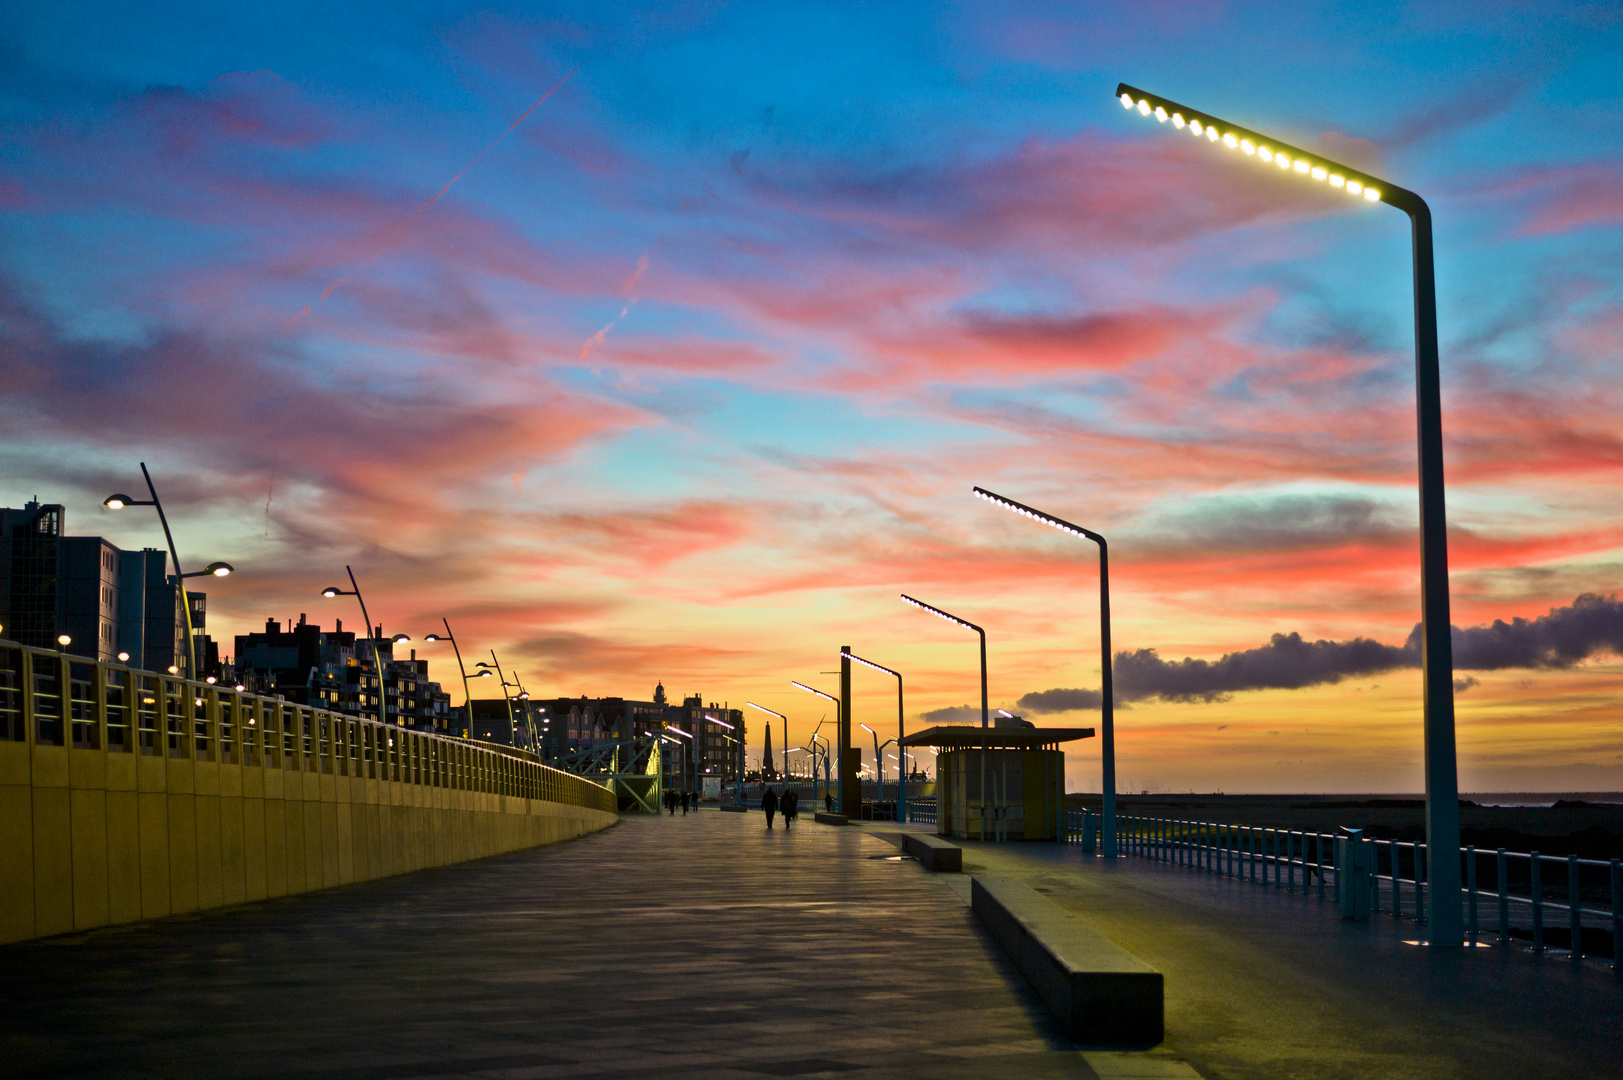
(808, 690)
(1213, 130)
(938, 612)
(1035, 515)
(869, 663)
(764, 709)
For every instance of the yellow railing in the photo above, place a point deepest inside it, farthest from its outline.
(57, 699)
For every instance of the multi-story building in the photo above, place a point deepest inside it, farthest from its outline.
(335, 670)
(570, 724)
(112, 605)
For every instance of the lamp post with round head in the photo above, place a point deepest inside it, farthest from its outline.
(215, 569)
(332, 591)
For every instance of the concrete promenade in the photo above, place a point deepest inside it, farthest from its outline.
(706, 946)
(1264, 983)
(699, 946)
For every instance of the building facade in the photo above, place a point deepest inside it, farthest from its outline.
(113, 605)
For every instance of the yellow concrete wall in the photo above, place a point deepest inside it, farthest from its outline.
(90, 838)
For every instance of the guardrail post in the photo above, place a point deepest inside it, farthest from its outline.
(1617, 916)
(1504, 898)
(1575, 909)
(1421, 853)
(1538, 904)
(1470, 894)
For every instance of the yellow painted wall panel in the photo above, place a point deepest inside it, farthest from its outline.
(123, 856)
(53, 861)
(88, 807)
(180, 776)
(293, 816)
(346, 838)
(87, 769)
(275, 847)
(16, 862)
(233, 874)
(205, 778)
(253, 849)
(182, 850)
(330, 874)
(312, 843)
(231, 780)
(15, 766)
(210, 888)
(50, 766)
(152, 814)
(121, 770)
(151, 773)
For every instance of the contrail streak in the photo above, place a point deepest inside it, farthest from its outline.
(398, 236)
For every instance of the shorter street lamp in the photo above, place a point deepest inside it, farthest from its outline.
(467, 697)
(1107, 693)
(332, 591)
(985, 713)
(215, 569)
(901, 788)
(838, 720)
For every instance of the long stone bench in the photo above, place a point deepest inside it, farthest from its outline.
(934, 852)
(825, 817)
(1101, 994)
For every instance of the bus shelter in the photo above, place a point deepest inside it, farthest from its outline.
(999, 783)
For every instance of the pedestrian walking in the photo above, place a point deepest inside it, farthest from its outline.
(828, 800)
(769, 805)
(791, 806)
(684, 804)
(670, 801)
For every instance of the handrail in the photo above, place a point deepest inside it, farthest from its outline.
(1270, 856)
(58, 699)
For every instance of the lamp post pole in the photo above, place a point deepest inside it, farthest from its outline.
(901, 788)
(1444, 917)
(844, 805)
(218, 569)
(467, 695)
(1107, 694)
(377, 655)
(986, 720)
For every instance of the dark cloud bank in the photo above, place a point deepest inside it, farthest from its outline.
(1567, 635)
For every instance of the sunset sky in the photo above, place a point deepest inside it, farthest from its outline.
(687, 373)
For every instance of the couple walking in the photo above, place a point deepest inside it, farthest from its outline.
(789, 804)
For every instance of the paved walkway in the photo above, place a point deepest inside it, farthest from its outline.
(687, 946)
(1263, 983)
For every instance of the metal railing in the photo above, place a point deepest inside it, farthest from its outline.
(55, 699)
(921, 811)
(1549, 901)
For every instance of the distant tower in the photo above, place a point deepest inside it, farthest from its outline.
(659, 694)
(767, 771)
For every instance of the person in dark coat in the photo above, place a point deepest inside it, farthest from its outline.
(684, 804)
(828, 800)
(769, 805)
(790, 806)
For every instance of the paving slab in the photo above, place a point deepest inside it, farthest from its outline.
(1265, 983)
(697, 945)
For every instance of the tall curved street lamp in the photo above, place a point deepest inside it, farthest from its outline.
(467, 696)
(838, 718)
(1107, 692)
(1443, 904)
(901, 788)
(377, 656)
(986, 716)
(214, 569)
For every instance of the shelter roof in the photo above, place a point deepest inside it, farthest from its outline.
(955, 736)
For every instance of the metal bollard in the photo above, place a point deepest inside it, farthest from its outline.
(1353, 858)
(1470, 894)
(1617, 915)
(1504, 899)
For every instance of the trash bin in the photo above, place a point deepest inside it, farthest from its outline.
(1354, 859)
(1090, 832)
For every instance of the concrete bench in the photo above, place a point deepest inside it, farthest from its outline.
(1100, 994)
(934, 852)
(823, 817)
